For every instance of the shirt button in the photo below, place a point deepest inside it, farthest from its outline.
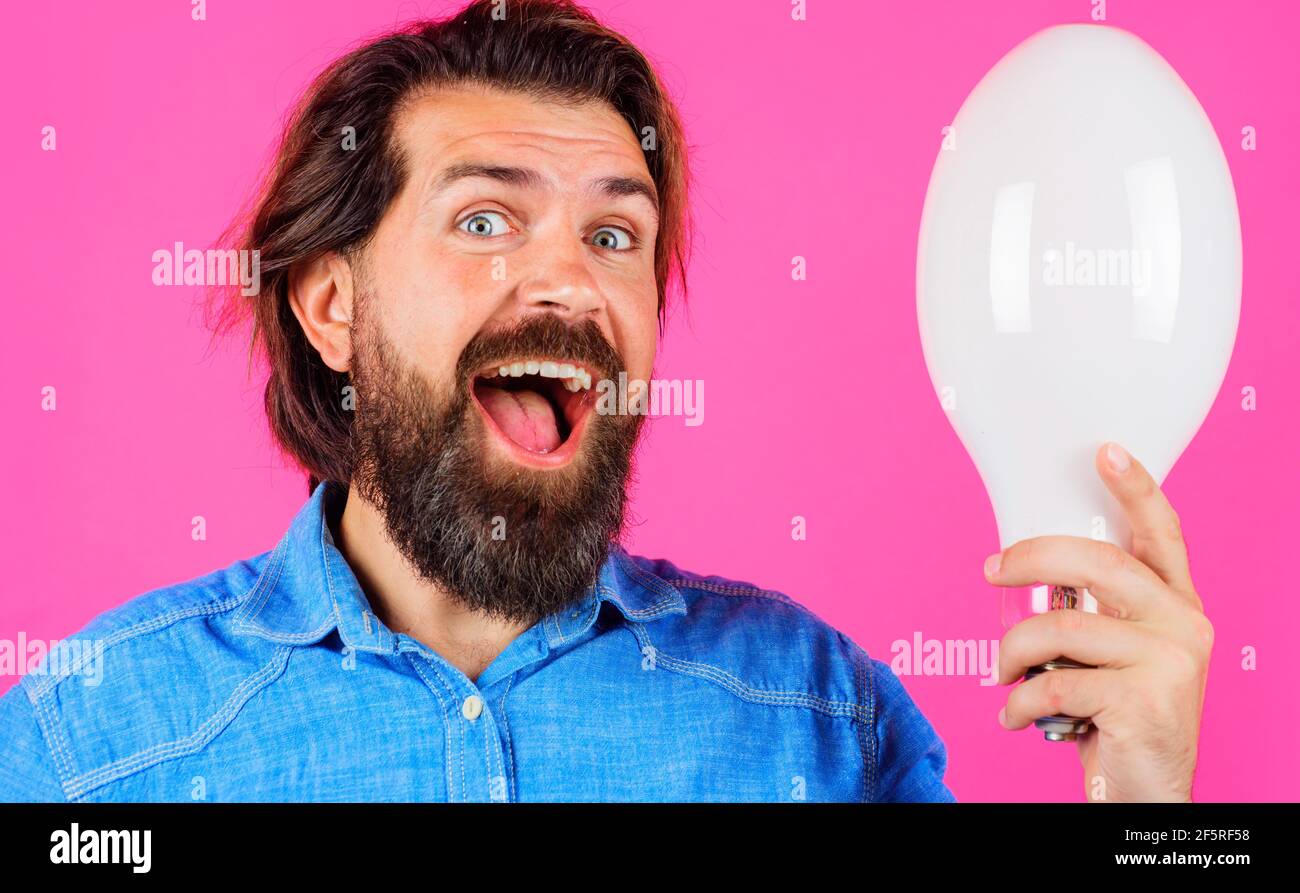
(472, 707)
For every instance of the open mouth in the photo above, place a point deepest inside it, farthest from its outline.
(536, 408)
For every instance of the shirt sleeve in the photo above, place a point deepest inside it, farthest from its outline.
(27, 773)
(910, 757)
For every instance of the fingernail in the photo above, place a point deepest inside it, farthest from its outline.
(1117, 457)
(992, 564)
(1002, 717)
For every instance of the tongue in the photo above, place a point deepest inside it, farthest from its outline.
(525, 416)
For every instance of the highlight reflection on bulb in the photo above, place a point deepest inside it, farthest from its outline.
(1078, 281)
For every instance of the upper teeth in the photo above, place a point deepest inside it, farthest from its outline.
(574, 377)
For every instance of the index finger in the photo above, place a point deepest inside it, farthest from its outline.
(1157, 532)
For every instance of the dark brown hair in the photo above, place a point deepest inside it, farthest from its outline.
(320, 197)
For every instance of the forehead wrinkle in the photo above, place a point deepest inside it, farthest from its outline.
(607, 137)
(487, 143)
(483, 148)
(482, 155)
(523, 177)
(608, 126)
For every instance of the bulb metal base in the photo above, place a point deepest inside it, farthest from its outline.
(1060, 727)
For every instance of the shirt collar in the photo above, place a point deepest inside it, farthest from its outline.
(640, 596)
(306, 590)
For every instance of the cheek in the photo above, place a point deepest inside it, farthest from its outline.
(637, 324)
(434, 315)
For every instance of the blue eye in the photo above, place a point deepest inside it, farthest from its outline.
(485, 223)
(615, 238)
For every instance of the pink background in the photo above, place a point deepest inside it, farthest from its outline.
(812, 138)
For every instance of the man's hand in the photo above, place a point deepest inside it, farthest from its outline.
(1145, 695)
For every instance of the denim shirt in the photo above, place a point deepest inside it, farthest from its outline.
(273, 680)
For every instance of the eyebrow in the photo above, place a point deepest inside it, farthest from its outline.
(525, 178)
(511, 176)
(620, 186)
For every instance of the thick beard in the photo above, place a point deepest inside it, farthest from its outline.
(513, 543)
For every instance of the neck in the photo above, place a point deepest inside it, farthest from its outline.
(469, 640)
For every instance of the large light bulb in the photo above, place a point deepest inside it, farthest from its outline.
(1078, 281)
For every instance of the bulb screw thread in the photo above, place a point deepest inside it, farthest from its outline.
(1061, 727)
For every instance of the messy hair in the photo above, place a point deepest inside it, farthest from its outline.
(321, 197)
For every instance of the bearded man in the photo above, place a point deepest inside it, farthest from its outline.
(470, 226)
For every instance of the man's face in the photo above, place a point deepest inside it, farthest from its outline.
(523, 242)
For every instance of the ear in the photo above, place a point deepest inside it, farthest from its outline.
(321, 295)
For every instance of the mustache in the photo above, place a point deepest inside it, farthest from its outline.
(541, 335)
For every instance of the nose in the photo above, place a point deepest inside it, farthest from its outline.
(561, 283)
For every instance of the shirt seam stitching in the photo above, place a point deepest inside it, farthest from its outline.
(874, 741)
(47, 684)
(55, 741)
(862, 745)
(213, 726)
(505, 724)
(650, 581)
(451, 690)
(740, 591)
(651, 612)
(746, 692)
(261, 592)
(448, 778)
